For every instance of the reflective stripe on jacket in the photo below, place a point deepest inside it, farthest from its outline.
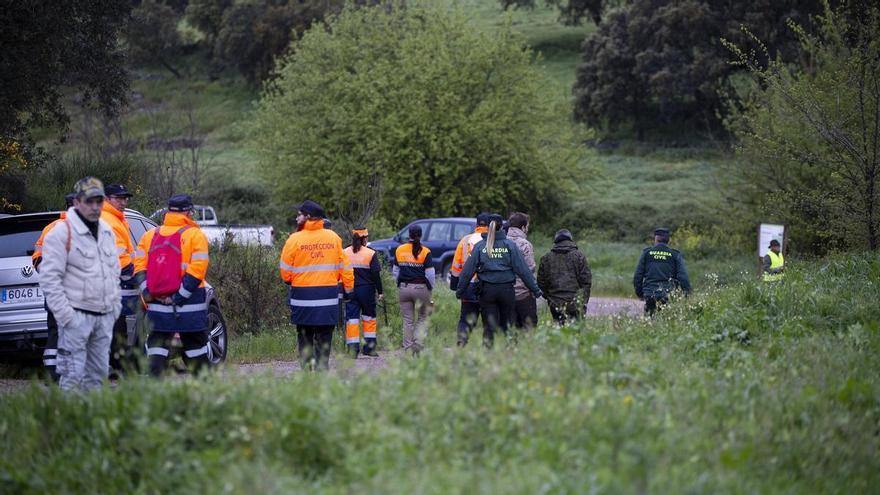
(313, 263)
(192, 315)
(464, 249)
(125, 248)
(366, 268)
(413, 269)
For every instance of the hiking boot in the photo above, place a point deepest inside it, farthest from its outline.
(353, 350)
(370, 352)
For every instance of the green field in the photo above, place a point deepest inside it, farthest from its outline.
(753, 388)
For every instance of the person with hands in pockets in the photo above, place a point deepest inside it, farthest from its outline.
(79, 276)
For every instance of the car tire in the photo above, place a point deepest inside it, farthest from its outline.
(218, 337)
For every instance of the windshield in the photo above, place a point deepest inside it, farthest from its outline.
(17, 236)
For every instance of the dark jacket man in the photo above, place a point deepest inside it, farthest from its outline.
(660, 271)
(562, 273)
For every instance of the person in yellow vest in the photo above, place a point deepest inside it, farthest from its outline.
(362, 304)
(774, 263)
(113, 212)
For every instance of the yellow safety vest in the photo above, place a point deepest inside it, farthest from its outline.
(776, 261)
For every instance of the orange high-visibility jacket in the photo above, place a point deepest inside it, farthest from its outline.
(413, 269)
(313, 263)
(119, 225)
(37, 257)
(464, 249)
(191, 315)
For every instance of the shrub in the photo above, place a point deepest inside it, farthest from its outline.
(47, 184)
(252, 295)
(661, 63)
(449, 120)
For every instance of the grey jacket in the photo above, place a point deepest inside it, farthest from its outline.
(528, 253)
(86, 277)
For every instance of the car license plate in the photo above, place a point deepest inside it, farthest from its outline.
(20, 295)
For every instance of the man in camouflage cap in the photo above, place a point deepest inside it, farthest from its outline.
(79, 277)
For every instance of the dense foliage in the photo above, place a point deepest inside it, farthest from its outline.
(444, 119)
(152, 36)
(809, 135)
(249, 35)
(50, 46)
(659, 63)
(753, 389)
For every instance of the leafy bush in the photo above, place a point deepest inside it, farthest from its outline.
(252, 295)
(48, 183)
(252, 34)
(152, 35)
(661, 63)
(446, 119)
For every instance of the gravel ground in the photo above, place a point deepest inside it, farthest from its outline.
(599, 306)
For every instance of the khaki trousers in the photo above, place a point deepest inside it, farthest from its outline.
(415, 308)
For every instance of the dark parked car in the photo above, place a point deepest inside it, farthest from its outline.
(22, 317)
(441, 235)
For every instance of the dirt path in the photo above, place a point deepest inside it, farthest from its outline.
(599, 306)
(611, 306)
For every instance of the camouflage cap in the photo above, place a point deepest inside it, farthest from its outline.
(88, 187)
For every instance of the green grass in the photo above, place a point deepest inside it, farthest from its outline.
(753, 388)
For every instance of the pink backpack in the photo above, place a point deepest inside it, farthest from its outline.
(163, 264)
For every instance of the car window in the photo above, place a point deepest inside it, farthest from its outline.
(209, 214)
(440, 231)
(17, 237)
(460, 230)
(404, 233)
(137, 229)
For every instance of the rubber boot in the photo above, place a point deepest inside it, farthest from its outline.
(370, 348)
(353, 350)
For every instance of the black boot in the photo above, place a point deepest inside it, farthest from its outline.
(370, 348)
(353, 350)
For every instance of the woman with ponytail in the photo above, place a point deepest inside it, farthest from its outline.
(361, 307)
(497, 262)
(414, 273)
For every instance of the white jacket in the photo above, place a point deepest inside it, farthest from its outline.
(86, 277)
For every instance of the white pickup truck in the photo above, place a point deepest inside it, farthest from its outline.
(254, 235)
